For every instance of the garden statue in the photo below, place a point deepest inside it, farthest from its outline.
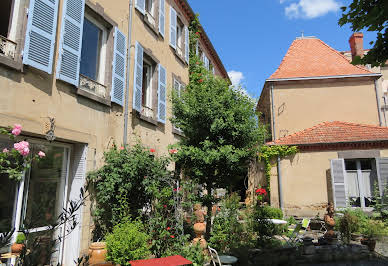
(330, 235)
(199, 226)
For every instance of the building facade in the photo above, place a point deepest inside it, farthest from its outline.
(320, 102)
(80, 76)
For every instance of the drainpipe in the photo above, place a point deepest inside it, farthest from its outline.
(128, 74)
(378, 102)
(280, 185)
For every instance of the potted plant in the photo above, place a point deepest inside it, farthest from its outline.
(374, 230)
(18, 246)
(348, 225)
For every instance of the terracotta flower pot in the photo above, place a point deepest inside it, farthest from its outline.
(97, 253)
(17, 248)
(199, 229)
(371, 243)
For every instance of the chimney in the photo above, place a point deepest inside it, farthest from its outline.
(356, 44)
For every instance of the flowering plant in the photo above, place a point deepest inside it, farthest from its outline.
(261, 193)
(18, 159)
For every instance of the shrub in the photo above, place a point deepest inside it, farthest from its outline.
(193, 253)
(348, 224)
(20, 238)
(374, 229)
(127, 242)
(264, 228)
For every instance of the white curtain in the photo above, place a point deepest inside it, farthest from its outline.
(352, 183)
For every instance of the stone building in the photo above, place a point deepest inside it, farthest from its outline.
(86, 74)
(335, 113)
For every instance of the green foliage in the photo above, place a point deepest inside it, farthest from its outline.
(374, 229)
(20, 238)
(227, 232)
(348, 224)
(371, 15)
(268, 154)
(264, 228)
(291, 220)
(381, 201)
(193, 253)
(127, 242)
(124, 185)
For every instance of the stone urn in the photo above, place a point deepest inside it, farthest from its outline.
(199, 226)
(97, 253)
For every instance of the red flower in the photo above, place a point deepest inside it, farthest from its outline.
(197, 33)
(261, 191)
(173, 151)
(121, 148)
(152, 150)
(172, 236)
(168, 228)
(201, 80)
(174, 189)
(165, 206)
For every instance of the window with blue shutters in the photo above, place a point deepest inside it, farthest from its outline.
(138, 78)
(173, 25)
(71, 41)
(187, 48)
(162, 91)
(119, 69)
(162, 15)
(40, 34)
(140, 5)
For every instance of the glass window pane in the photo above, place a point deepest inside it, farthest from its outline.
(353, 188)
(366, 164)
(91, 44)
(43, 188)
(350, 165)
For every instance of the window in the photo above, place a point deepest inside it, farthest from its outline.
(5, 17)
(150, 12)
(179, 37)
(179, 87)
(147, 89)
(93, 50)
(361, 179)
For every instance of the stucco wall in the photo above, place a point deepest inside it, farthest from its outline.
(301, 105)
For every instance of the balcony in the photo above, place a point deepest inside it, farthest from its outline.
(7, 48)
(91, 86)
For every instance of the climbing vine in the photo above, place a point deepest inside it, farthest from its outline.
(268, 153)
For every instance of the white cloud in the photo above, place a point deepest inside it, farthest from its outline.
(311, 8)
(236, 78)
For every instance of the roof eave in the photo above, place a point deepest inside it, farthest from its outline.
(375, 75)
(325, 143)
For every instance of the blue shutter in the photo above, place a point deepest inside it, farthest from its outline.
(118, 73)
(187, 44)
(40, 35)
(162, 11)
(173, 28)
(138, 78)
(71, 41)
(140, 5)
(162, 94)
(338, 179)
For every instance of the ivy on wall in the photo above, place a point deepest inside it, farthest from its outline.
(268, 154)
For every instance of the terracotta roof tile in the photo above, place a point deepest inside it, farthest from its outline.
(311, 57)
(334, 132)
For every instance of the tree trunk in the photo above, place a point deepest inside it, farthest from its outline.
(209, 213)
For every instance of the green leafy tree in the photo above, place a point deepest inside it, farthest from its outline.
(373, 16)
(220, 127)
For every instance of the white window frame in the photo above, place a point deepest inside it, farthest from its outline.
(148, 10)
(179, 36)
(147, 109)
(14, 18)
(103, 48)
(179, 90)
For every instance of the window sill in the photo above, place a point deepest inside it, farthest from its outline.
(177, 132)
(8, 54)
(146, 118)
(153, 28)
(16, 65)
(93, 90)
(94, 97)
(180, 57)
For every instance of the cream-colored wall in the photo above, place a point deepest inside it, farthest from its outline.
(301, 105)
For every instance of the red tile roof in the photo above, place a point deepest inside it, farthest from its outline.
(311, 57)
(335, 132)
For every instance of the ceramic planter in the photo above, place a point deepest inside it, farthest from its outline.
(97, 253)
(370, 243)
(17, 248)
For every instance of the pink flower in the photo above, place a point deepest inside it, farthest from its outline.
(165, 206)
(174, 189)
(23, 147)
(152, 150)
(17, 129)
(121, 148)
(41, 154)
(172, 236)
(5, 150)
(173, 151)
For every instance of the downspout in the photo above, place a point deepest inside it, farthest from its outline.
(280, 190)
(128, 75)
(378, 103)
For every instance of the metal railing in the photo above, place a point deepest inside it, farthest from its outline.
(7, 48)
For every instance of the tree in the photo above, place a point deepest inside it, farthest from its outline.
(220, 127)
(372, 15)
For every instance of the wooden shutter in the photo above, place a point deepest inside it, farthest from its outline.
(162, 11)
(173, 27)
(187, 44)
(40, 34)
(382, 174)
(140, 5)
(338, 179)
(73, 240)
(138, 78)
(162, 94)
(118, 76)
(71, 41)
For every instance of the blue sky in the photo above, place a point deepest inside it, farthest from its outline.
(252, 36)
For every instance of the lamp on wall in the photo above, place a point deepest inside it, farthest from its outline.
(50, 127)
